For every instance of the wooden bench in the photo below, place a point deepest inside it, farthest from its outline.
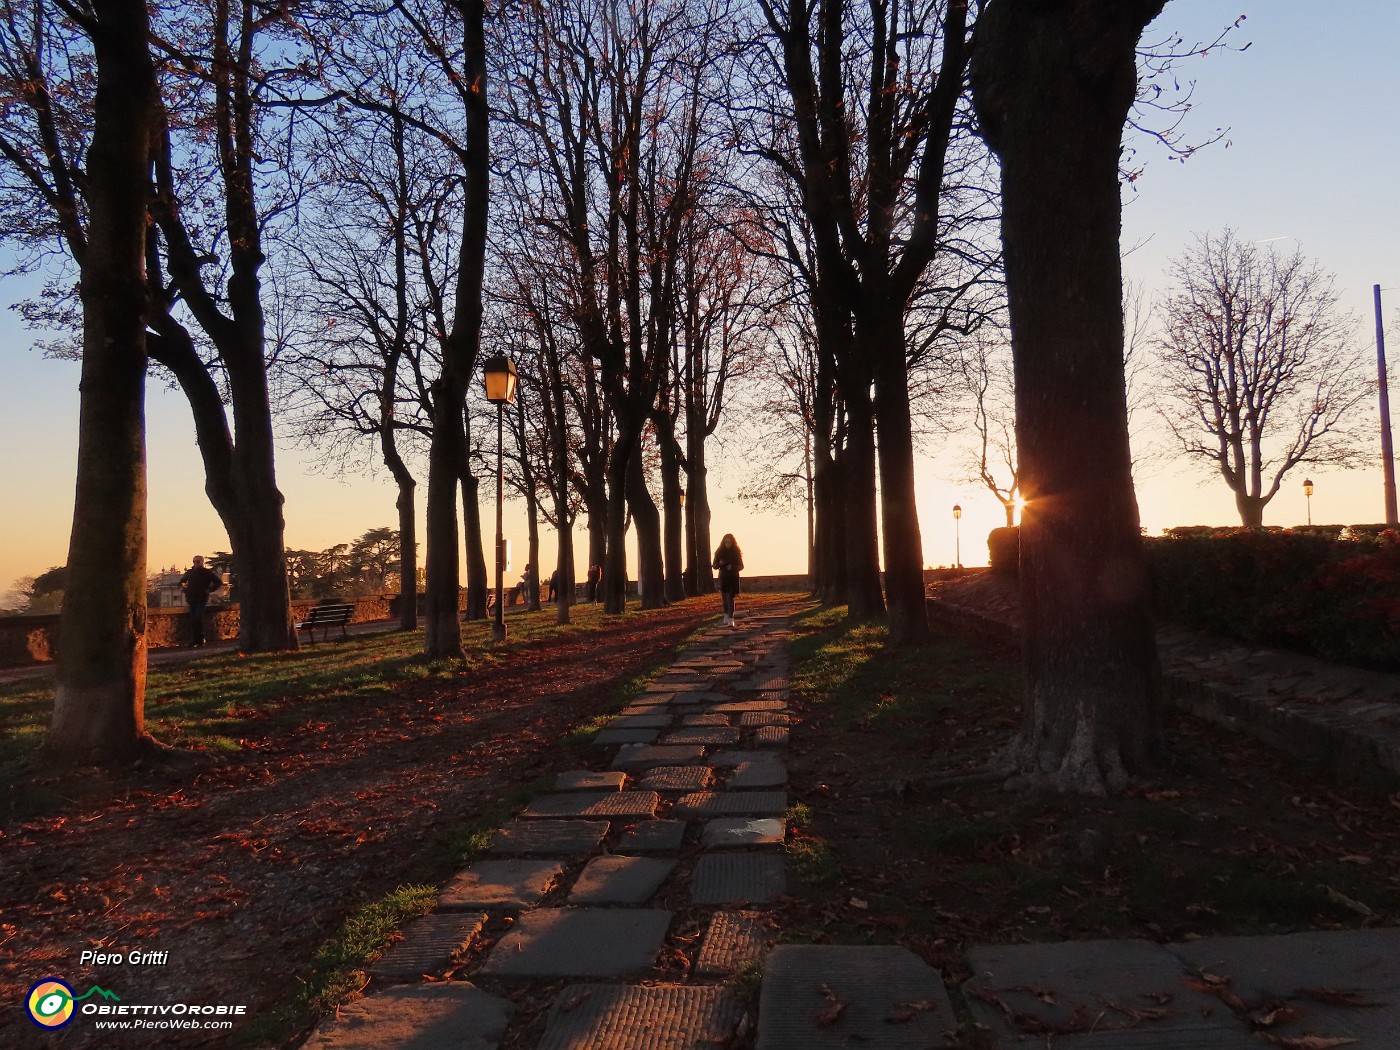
(326, 617)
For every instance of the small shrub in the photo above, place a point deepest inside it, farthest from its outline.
(1004, 550)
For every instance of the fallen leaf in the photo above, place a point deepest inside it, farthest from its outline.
(1339, 997)
(829, 1015)
(1307, 1042)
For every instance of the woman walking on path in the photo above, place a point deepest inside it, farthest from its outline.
(729, 560)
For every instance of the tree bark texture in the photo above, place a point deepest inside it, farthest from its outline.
(899, 517)
(864, 596)
(646, 520)
(1053, 81)
(478, 572)
(442, 630)
(100, 694)
(408, 557)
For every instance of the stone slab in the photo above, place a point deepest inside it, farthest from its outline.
(731, 804)
(507, 884)
(677, 778)
(764, 718)
(633, 805)
(740, 707)
(713, 735)
(612, 737)
(548, 838)
(643, 756)
(734, 940)
(833, 997)
(580, 942)
(666, 1017)
(620, 880)
(651, 705)
(451, 1014)
(652, 836)
(733, 832)
(766, 685)
(428, 945)
(770, 773)
(657, 720)
(1077, 977)
(733, 759)
(771, 736)
(737, 878)
(588, 780)
(689, 683)
(705, 720)
(1286, 967)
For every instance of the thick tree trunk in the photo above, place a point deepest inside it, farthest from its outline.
(1251, 510)
(408, 556)
(673, 526)
(699, 549)
(442, 631)
(831, 530)
(100, 693)
(597, 510)
(532, 579)
(651, 570)
(615, 561)
(1052, 85)
(899, 514)
(863, 594)
(478, 572)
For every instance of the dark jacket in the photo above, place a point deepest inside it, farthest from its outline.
(730, 564)
(198, 583)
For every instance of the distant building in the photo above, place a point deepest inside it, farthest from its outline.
(164, 591)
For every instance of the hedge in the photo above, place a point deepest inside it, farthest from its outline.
(1326, 590)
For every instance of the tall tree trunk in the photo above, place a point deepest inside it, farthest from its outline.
(651, 569)
(596, 504)
(615, 562)
(98, 713)
(1052, 86)
(408, 556)
(478, 571)
(673, 526)
(532, 578)
(442, 630)
(904, 551)
(699, 549)
(863, 594)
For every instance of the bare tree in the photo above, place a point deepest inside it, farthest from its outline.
(98, 714)
(874, 96)
(1257, 361)
(1053, 86)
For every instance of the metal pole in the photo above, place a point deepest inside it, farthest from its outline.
(1387, 449)
(957, 542)
(1309, 496)
(498, 629)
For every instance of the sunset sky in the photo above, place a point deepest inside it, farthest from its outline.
(1313, 160)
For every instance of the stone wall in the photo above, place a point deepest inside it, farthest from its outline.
(34, 639)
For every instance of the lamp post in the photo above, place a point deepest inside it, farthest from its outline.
(1308, 491)
(957, 535)
(500, 391)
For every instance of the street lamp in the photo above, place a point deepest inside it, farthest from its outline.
(1308, 491)
(957, 534)
(500, 391)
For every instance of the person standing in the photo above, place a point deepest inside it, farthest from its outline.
(197, 585)
(729, 561)
(595, 579)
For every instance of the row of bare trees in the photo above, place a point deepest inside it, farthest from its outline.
(635, 196)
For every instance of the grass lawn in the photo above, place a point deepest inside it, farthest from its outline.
(353, 778)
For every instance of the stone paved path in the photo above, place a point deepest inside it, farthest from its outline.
(670, 848)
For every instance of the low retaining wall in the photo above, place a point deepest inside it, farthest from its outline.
(34, 639)
(1342, 719)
